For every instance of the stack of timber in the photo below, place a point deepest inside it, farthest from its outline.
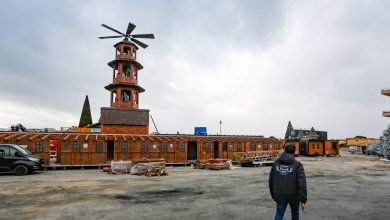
(214, 164)
(149, 169)
(156, 171)
(121, 167)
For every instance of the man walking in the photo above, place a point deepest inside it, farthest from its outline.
(287, 184)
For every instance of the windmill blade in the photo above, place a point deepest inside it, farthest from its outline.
(143, 36)
(130, 28)
(118, 36)
(110, 28)
(139, 43)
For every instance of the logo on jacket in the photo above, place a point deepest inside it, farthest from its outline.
(284, 169)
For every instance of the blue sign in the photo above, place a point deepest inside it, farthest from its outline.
(200, 131)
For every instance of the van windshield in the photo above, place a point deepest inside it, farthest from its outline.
(22, 150)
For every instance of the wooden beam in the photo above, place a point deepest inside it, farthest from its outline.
(114, 137)
(45, 137)
(67, 136)
(124, 138)
(159, 138)
(33, 137)
(23, 136)
(86, 137)
(176, 139)
(132, 137)
(96, 138)
(106, 137)
(11, 136)
(143, 139)
(77, 137)
(2, 135)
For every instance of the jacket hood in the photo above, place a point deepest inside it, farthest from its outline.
(286, 158)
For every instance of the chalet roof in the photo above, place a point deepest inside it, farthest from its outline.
(72, 136)
(123, 116)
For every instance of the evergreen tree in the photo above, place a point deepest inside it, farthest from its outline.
(385, 143)
(86, 118)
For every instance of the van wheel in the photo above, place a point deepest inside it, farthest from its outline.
(21, 170)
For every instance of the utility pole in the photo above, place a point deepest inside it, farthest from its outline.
(220, 127)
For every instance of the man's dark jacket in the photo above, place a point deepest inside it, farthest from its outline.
(287, 181)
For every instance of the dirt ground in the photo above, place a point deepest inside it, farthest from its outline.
(346, 187)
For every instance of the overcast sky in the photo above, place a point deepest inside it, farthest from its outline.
(255, 65)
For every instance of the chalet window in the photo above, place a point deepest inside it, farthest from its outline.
(99, 146)
(125, 146)
(224, 146)
(239, 146)
(277, 146)
(38, 146)
(11, 141)
(265, 146)
(181, 147)
(253, 146)
(207, 147)
(144, 146)
(76, 146)
(230, 147)
(164, 147)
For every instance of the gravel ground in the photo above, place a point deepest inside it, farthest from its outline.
(346, 187)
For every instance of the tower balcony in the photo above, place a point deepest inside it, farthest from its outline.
(122, 79)
(124, 56)
(386, 114)
(121, 104)
(386, 91)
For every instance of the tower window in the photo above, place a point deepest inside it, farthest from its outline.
(125, 96)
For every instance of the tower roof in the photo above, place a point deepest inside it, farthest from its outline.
(124, 85)
(135, 63)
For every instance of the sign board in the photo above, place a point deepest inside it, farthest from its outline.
(200, 131)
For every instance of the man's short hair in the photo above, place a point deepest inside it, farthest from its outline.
(290, 148)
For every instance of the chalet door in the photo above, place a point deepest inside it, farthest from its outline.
(216, 150)
(192, 150)
(110, 150)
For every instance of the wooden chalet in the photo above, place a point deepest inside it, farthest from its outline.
(98, 148)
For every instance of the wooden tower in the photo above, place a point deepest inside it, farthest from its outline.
(124, 115)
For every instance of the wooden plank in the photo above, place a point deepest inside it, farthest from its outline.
(67, 136)
(23, 136)
(33, 137)
(45, 137)
(11, 136)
